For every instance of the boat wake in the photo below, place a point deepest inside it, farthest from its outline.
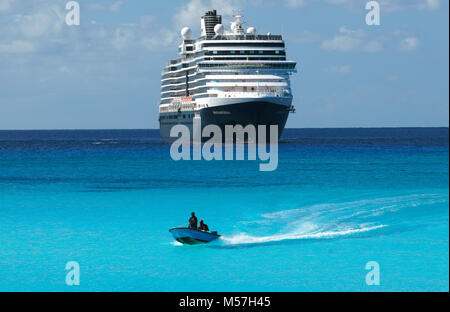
(247, 239)
(337, 220)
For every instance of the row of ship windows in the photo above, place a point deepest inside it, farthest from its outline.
(192, 80)
(181, 77)
(250, 65)
(238, 44)
(192, 92)
(186, 65)
(237, 37)
(165, 100)
(188, 49)
(176, 117)
(245, 58)
(182, 92)
(246, 52)
(204, 83)
(240, 65)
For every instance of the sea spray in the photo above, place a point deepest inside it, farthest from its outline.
(248, 239)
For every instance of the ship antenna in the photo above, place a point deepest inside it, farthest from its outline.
(238, 22)
(237, 14)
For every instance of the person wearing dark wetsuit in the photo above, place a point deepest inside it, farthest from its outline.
(193, 221)
(203, 226)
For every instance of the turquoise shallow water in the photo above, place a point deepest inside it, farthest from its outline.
(339, 199)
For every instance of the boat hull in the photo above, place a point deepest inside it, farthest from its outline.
(256, 112)
(192, 236)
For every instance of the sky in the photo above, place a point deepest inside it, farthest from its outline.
(105, 73)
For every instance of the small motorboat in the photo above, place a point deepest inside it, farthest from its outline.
(193, 236)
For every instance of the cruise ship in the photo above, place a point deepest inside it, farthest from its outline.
(228, 76)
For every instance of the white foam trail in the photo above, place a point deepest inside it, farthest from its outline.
(247, 239)
(330, 220)
(369, 207)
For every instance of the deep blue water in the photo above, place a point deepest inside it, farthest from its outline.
(339, 199)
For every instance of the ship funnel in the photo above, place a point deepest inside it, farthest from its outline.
(209, 21)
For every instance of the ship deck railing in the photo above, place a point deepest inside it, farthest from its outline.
(253, 94)
(242, 37)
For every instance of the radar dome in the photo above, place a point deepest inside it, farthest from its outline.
(186, 33)
(268, 34)
(219, 29)
(251, 31)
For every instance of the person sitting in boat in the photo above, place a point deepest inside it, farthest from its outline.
(203, 226)
(193, 221)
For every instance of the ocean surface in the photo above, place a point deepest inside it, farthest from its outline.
(339, 199)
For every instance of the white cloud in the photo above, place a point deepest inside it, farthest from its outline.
(341, 43)
(356, 33)
(41, 23)
(5, 6)
(399, 5)
(433, 4)
(386, 5)
(409, 44)
(147, 20)
(112, 6)
(145, 34)
(338, 1)
(346, 41)
(305, 37)
(373, 46)
(17, 46)
(28, 28)
(263, 4)
(190, 14)
(155, 41)
(294, 4)
(64, 69)
(116, 6)
(41, 27)
(123, 37)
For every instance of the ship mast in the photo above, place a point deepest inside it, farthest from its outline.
(238, 25)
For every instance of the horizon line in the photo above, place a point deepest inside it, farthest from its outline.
(156, 129)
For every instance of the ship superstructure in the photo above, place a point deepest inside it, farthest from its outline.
(235, 77)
